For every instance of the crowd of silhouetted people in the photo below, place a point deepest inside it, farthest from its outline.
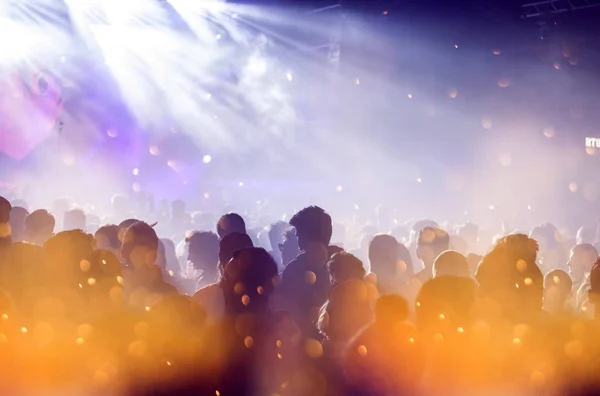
(99, 304)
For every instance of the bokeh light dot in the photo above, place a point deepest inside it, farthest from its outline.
(573, 187)
(154, 150)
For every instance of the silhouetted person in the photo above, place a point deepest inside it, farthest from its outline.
(231, 243)
(343, 267)
(107, 238)
(390, 262)
(63, 254)
(276, 231)
(39, 226)
(211, 296)
(17, 223)
(558, 291)
(430, 243)
(124, 225)
(170, 257)
(74, 220)
(509, 275)
(346, 312)
(551, 254)
(143, 278)
(444, 314)
(305, 281)
(586, 235)
(203, 254)
(452, 263)
(289, 247)
(388, 356)
(260, 346)
(594, 289)
(230, 222)
(580, 263)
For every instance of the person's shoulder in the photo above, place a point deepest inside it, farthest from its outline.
(296, 264)
(206, 291)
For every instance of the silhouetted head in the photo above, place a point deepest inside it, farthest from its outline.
(343, 267)
(313, 225)
(594, 290)
(383, 255)
(452, 263)
(581, 260)
(63, 254)
(391, 309)
(230, 223)
(231, 243)
(546, 235)
(430, 243)
(124, 225)
(276, 231)
(74, 220)
(557, 290)
(107, 238)
(586, 235)
(249, 280)
(140, 245)
(347, 311)
(508, 273)
(444, 304)
(203, 251)
(39, 226)
(120, 204)
(5, 208)
(289, 246)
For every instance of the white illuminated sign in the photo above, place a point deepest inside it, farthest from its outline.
(592, 142)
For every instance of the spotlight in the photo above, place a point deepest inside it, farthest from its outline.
(206, 159)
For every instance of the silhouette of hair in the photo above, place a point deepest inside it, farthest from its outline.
(111, 233)
(586, 249)
(125, 224)
(231, 243)
(595, 278)
(276, 231)
(204, 245)
(450, 296)
(63, 253)
(422, 224)
(510, 266)
(139, 234)
(38, 220)
(391, 308)
(545, 232)
(559, 279)
(74, 220)
(451, 262)
(5, 208)
(344, 266)
(230, 223)
(436, 238)
(346, 312)
(249, 280)
(385, 253)
(313, 224)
